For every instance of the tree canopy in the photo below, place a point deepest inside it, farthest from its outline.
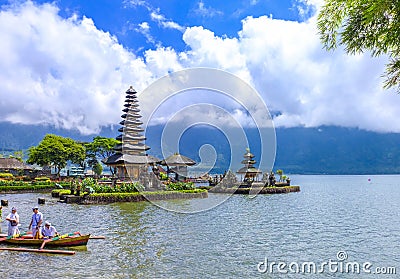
(102, 148)
(368, 25)
(56, 151)
(98, 168)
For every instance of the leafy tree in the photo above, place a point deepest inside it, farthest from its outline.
(56, 151)
(98, 169)
(100, 148)
(18, 155)
(369, 25)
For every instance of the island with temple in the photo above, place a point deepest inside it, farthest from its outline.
(138, 176)
(135, 174)
(252, 180)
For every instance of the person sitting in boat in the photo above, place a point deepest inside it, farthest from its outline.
(36, 222)
(13, 222)
(49, 231)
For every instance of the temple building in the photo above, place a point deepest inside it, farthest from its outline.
(177, 164)
(15, 166)
(130, 158)
(249, 171)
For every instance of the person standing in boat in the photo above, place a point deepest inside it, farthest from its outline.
(48, 230)
(13, 222)
(36, 222)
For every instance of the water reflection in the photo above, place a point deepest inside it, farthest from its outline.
(143, 241)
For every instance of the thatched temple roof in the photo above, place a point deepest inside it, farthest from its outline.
(118, 158)
(178, 160)
(13, 164)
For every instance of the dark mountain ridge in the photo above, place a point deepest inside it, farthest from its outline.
(322, 150)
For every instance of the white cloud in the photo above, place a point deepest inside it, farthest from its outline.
(135, 3)
(68, 73)
(285, 61)
(311, 87)
(208, 50)
(144, 28)
(207, 12)
(162, 60)
(164, 22)
(63, 72)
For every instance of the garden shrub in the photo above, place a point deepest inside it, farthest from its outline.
(6, 176)
(42, 179)
(119, 188)
(178, 186)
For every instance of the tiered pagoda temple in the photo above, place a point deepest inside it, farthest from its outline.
(130, 158)
(249, 171)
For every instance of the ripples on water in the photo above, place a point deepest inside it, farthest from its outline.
(330, 214)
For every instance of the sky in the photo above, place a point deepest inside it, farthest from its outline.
(68, 63)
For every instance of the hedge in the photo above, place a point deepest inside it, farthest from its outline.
(24, 188)
(144, 196)
(27, 186)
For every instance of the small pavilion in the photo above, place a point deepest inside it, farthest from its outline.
(249, 171)
(178, 164)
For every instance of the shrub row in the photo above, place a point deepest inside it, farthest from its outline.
(42, 178)
(136, 197)
(120, 188)
(178, 186)
(56, 193)
(24, 187)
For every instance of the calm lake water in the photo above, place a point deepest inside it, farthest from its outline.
(349, 215)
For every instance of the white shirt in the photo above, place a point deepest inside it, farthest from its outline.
(49, 231)
(13, 216)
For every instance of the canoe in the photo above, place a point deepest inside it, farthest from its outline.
(75, 240)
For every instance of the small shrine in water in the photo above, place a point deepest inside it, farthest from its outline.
(248, 170)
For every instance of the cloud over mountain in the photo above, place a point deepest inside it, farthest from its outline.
(69, 73)
(63, 72)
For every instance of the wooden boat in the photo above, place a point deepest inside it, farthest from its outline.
(71, 240)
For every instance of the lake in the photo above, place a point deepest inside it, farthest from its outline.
(335, 222)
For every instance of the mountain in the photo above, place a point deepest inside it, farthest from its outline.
(322, 150)
(20, 137)
(335, 150)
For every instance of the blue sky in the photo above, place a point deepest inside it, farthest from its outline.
(67, 63)
(124, 18)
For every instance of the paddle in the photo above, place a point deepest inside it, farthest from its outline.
(57, 238)
(97, 237)
(65, 252)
